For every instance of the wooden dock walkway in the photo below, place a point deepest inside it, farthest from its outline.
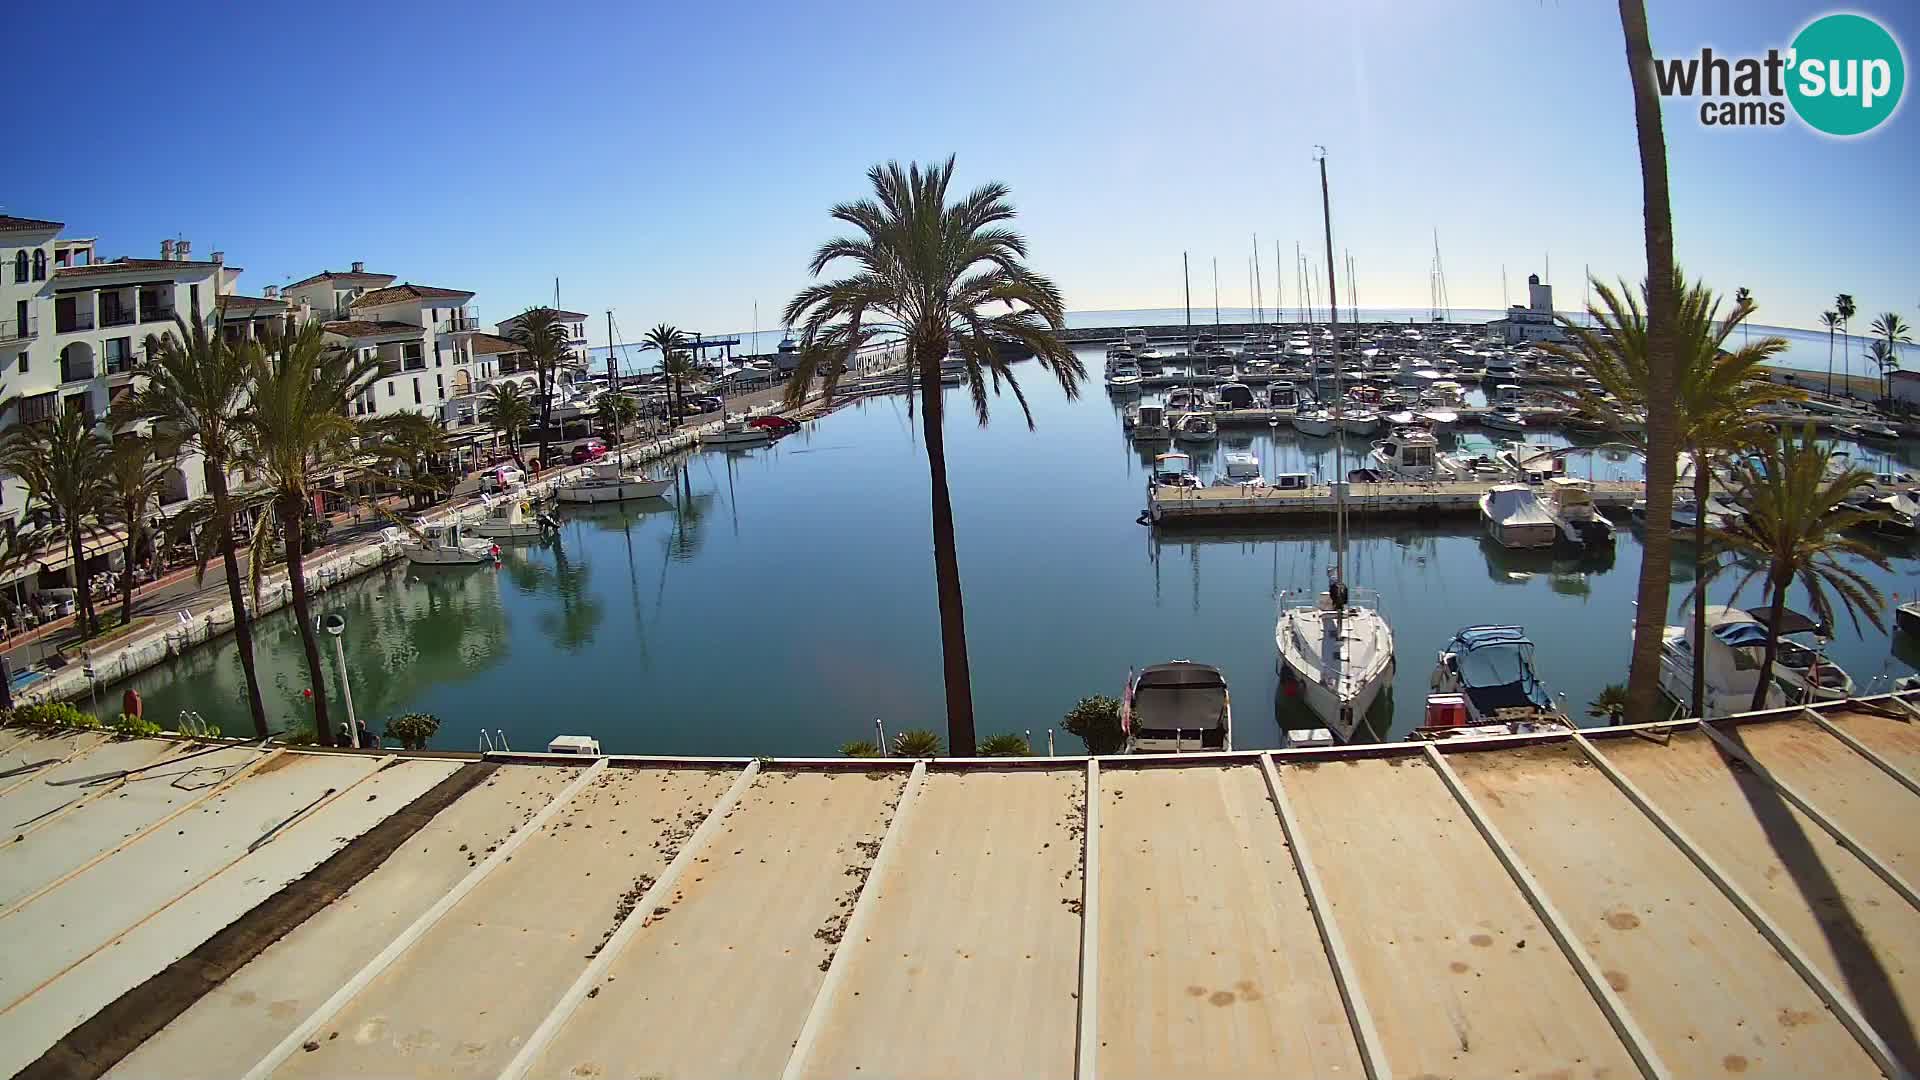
(1218, 502)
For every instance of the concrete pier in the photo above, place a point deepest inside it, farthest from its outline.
(1226, 502)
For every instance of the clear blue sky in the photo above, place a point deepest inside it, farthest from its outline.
(674, 161)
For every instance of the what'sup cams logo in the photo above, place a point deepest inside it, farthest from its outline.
(1842, 75)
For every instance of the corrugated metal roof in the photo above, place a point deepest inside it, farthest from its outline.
(1670, 900)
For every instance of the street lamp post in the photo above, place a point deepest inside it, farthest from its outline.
(336, 624)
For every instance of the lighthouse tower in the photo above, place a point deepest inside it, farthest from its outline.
(1539, 297)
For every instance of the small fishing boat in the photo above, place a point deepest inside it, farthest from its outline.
(1896, 515)
(446, 545)
(1407, 454)
(508, 518)
(1439, 421)
(1175, 708)
(1803, 671)
(1242, 465)
(1515, 517)
(611, 481)
(1533, 462)
(1185, 397)
(1503, 420)
(1316, 422)
(1173, 469)
(1233, 395)
(1282, 395)
(1125, 377)
(1570, 505)
(1360, 423)
(1197, 427)
(736, 432)
(1475, 458)
(1150, 424)
(1485, 684)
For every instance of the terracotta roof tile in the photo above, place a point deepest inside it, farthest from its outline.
(251, 302)
(492, 343)
(343, 275)
(123, 265)
(399, 293)
(367, 328)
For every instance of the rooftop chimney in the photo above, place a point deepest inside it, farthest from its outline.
(219, 258)
(181, 248)
(359, 268)
(166, 251)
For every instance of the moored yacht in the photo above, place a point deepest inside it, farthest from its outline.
(1484, 684)
(737, 431)
(611, 481)
(1197, 427)
(1515, 517)
(1336, 654)
(1735, 642)
(445, 545)
(1407, 454)
(511, 518)
(1175, 708)
(1570, 505)
(1150, 424)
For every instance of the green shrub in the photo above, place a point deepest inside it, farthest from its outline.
(1096, 720)
(859, 748)
(129, 726)
(1008, 745)
(917, 743)
(413, 729)
(301, 734)
(54, 715)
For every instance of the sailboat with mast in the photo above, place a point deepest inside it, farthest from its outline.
(1336, 649)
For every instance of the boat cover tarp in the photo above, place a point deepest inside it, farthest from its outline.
(1516, 505)
(1185, 697)
(1791, 621)
(1495, 665)
(1741, 634)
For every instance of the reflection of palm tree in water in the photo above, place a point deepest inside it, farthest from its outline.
(688, 517)
(580, 612)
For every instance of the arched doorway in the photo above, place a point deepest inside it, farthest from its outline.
(76, 362)
(175, 488)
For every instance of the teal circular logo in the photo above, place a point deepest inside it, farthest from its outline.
(1847, 74)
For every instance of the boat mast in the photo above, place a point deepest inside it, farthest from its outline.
(1186, 275)
(613, 373)
(1216, 290)
(1279, 286)
(1259, 286)
(1340, 431)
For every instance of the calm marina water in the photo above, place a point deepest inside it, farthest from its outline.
(784, 599)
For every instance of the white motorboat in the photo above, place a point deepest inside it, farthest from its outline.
(1173, 469)
(1906, 617)
(1178, 707)
(446, 545)
(1515, 517)
(1736, 642)
(1282, 395)
(1894, 515)
(1242, 465)
(1316, 422)
(1570, 505)
(1150, 424)
(1135, 338)
(1475, 457)
(739, 431)
(1125, 376)
(1503, 420)
(1536, 463)
(609, 482)
(1233, 395)
(1359, 423)
(1489, 670)
(1440, 421)
(1197, 427)
(1804, 672)
(1185, 397)
(1407, 454)
(510, 518)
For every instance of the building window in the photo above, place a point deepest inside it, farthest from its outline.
(439, 387)
(39, 408)
(436, 354)
(389, 389)
(416, 391)
(23, 363)
(20, 266)
(39, 265)
(193, 298)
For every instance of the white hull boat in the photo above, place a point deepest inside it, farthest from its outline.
(1197, 427)
(610, 482)
(1338, 659)
(735, 433)
(1242, 465)
(1503, 420)
(509, 518)
(1515, 517)
(1360, 423)
(1488, 672)
(447, 545)
(1317, 424)
(1735, 640)
(1177, 708)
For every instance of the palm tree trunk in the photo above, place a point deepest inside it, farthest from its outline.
(126, 576)
(946, 567)
(76, 545)
(216, 476)
(1777, 601)
(292, 513)
(1829, 361)
(1643, 680)
(546, 414)
(1702, 480)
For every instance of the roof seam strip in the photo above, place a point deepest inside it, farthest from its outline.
(427, 920)
(1086, 1053)
(637, 920)
(824, 998)
(1843, 1008)
(1864, 751)
(1618, 1015)
(1366, 1037)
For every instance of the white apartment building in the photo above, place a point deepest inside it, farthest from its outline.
(420, 335)
(72, 326)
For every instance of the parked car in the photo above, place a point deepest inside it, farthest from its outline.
(588, 450)
(706, 403)
(502, 478)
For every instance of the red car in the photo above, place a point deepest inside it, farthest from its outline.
(589, 450)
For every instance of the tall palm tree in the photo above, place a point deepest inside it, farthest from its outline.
(194, 383)
(1892, 331)
(926, 274)
(1743, 297)
(1794, 527)
(508, 411)
(671, 342)
(63, 463)
(543, 336)
(680, 369)
(1643, 679)
(293, 432)
(1843, 304)
(412, 440)
(135, 482)
(1831, 320)
(617, 413)
(1717, 392)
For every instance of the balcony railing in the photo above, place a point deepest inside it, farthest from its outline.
(415, 363)
(76, 370)
(458, 324)
(72, 321)
(157, 314)
(18, 330)
(119, 365)
(121, 317)
(389, 368)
